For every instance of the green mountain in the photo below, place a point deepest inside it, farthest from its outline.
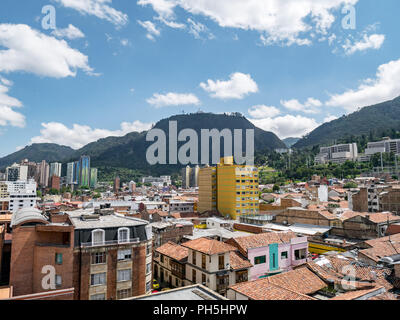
(290, 141)
(376, 120)
(38, 152)
(130, 151)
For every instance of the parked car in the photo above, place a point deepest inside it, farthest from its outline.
(156, 285)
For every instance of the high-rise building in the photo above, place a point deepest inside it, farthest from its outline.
(93, 177)
(70, 173)
(77, 172)
(337, 154)
(194, 177)
(84, 177)
(4, 198)
(55, 169)
(207, 189)
(43, 174)
(17, 172)
(186, 177)
(31, 168)
(237, 189)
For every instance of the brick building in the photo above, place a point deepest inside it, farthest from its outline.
(101, 256)
(171, 231)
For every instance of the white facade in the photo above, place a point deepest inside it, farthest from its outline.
(17, 172)
(384, 146)
(22, 194)
(337, 154)
(55, 169)
(70, 173)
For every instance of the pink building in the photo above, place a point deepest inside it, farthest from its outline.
(272, 253)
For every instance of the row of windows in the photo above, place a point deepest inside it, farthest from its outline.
(121, 294)
(299, 255)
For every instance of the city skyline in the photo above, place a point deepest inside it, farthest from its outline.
(130, 64)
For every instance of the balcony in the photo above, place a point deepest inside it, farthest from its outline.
(109, 243)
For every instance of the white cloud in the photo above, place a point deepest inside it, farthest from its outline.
(79, 135)
(125, 42)
(71, 33)
(385, 86)
(99, 8)
(288, 21)
(197, 28)
(262, 112)
(152, 30)
(8, 116)
(373, 41)
(237, 87)
(310, 106)
(173, 99)
(34, 52)
(287, 126)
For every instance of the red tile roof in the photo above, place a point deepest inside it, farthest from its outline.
(238, 262)
(173, 250)
(208, 246)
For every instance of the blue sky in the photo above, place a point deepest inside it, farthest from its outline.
(111, 67)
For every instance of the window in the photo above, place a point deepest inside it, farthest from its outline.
(98, 279)
(203, 279)
(284, 255)
(260, 260)
(148, 249)
(59, 258)
(221, 262)
(98, 237)
(300, 254)
(100, 296)
(203, 261)
(124, 254)
(176, 282)
(58, 281)
(124, 293)
(123, 235)
(148, 286)
(194, 258)
(162, 259)
(99, 258)
(148, 268)
(193, 276)
(124, 275)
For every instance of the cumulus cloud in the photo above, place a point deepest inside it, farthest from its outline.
(100, 8)
(262, 112)
(288, 22)
(30, 51)
(373, 41)
(80, 135)
(385, 86)
(287, 126)
(173, 99)
(151, 29)
(237, 87)
(8, 116)
(71, 33)
(311, 106)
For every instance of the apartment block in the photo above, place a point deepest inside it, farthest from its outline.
(385, 146)
(17, 172)
(237, 189)
(22, 194)
(207, 189)
(102, 255)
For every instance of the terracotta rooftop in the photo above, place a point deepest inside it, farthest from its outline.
(354, 295)
(300, 280)
(264, 239)
(238, 262)
(263, 290)
(208, 246)
(173, 250)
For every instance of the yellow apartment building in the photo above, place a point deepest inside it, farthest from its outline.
(237, 189)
